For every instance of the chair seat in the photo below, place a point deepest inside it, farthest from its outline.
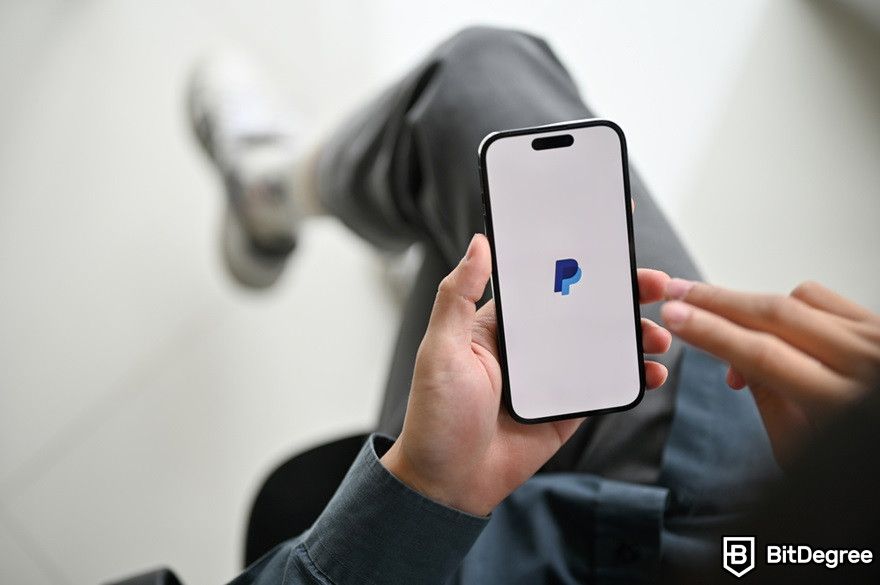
(295, 494)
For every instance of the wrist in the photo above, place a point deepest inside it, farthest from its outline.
(399, 465)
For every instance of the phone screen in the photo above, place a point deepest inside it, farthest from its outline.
(564, 279)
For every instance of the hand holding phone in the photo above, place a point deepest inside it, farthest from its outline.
(459, 446)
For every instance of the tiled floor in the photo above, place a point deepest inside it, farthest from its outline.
(142, 395)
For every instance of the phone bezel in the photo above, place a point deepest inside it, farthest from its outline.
(496, 292)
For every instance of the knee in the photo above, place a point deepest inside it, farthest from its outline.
(480, 41)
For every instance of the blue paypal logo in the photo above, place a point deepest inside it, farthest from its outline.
(567, 273)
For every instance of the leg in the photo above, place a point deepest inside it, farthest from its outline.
(404, 169)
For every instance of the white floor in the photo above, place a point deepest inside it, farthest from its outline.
(142, 395)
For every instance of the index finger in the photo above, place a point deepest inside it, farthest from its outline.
(761, 358)
(820, 334)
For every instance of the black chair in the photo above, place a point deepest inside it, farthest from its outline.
(295, 493)
(156, 577)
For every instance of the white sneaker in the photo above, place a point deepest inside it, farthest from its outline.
(249, 136)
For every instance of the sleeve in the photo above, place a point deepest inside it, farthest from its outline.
(375, 530)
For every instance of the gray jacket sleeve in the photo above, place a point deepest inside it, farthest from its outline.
(374, 530)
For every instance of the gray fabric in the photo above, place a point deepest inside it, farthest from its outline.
(717, 463)
(404, 169)
(570, 528)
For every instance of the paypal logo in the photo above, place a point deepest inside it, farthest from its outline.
(567, 273)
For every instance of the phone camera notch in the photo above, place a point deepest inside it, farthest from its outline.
(557, 141)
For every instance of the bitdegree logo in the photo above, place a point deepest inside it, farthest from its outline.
(739, 555)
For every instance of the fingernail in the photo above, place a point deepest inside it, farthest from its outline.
(678, 288)
(470, 248)
(675, 313)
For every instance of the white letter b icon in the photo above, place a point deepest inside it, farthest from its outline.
(739, 554)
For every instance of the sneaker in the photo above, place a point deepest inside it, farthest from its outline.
(249, 136)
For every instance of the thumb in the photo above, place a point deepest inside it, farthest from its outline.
(455, 305)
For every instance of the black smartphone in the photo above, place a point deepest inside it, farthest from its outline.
(559, 219)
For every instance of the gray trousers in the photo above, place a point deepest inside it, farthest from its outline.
(404, 170)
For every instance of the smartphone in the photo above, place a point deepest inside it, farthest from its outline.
(557, 211)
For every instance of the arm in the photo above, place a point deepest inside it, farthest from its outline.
(374, 530)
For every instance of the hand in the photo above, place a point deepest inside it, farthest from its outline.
(458, 445)
(804, 356)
